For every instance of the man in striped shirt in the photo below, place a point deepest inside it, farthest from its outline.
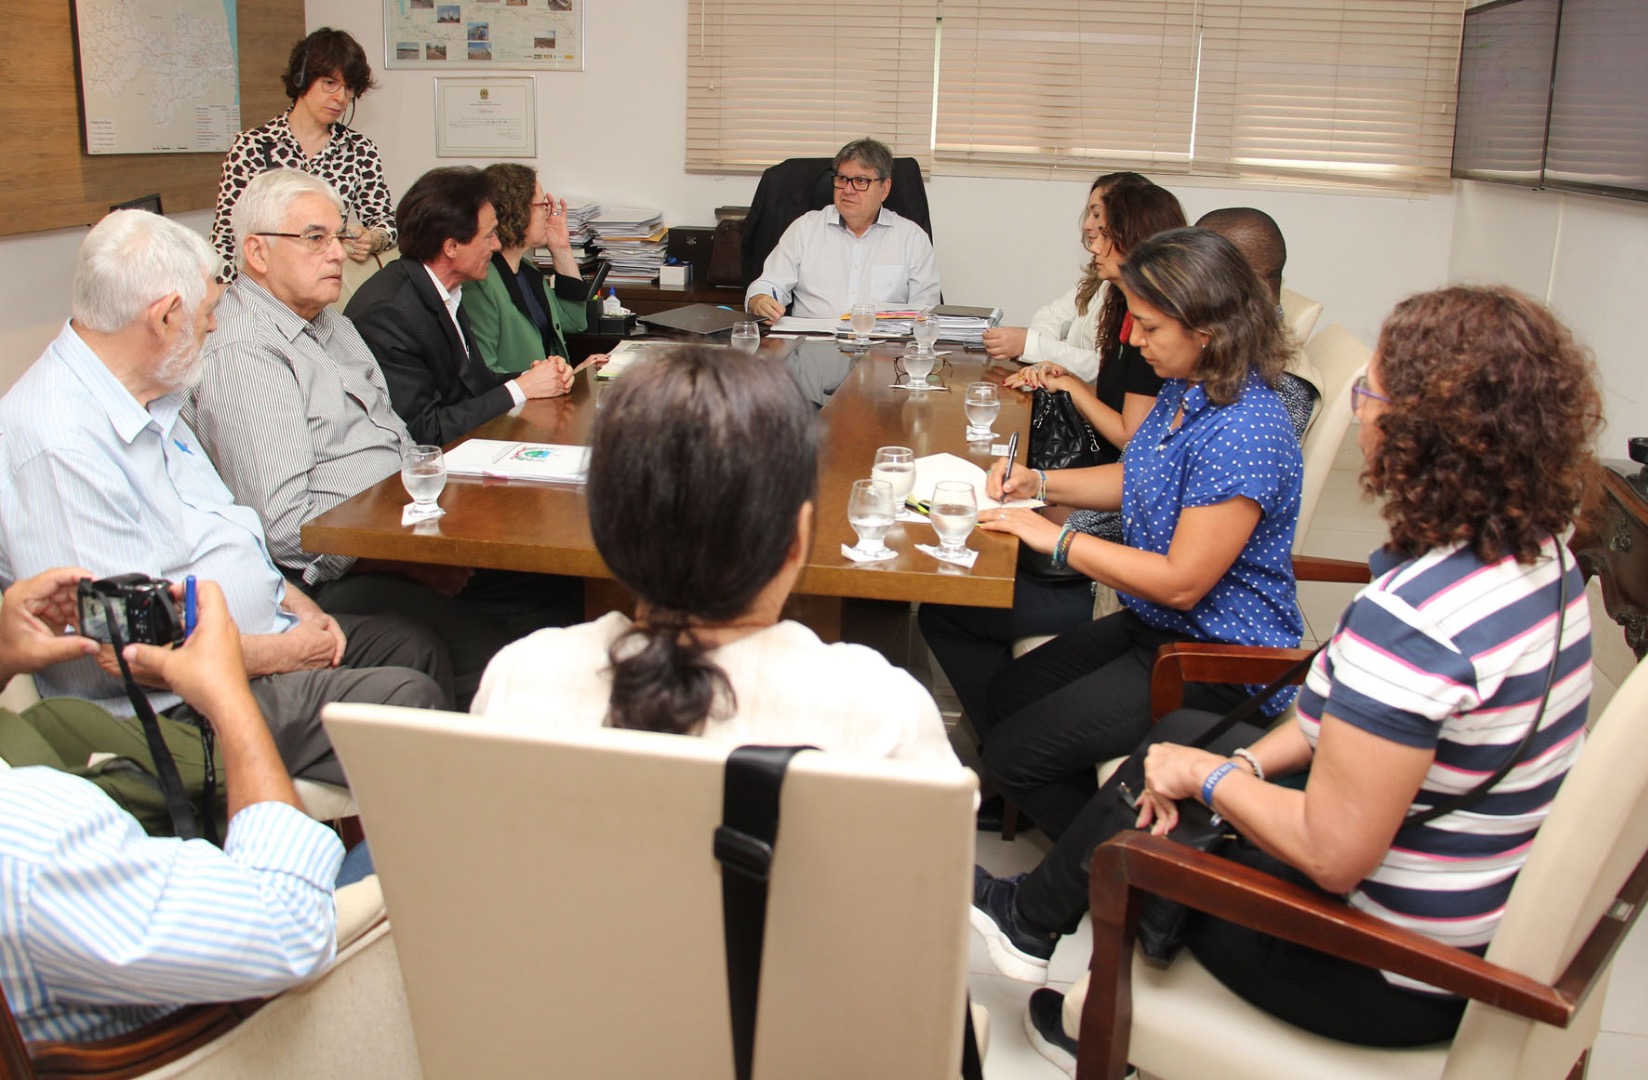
(297, 416)
(103, 928)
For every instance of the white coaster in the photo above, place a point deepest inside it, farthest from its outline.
(850, 552)
(967, 558)
(413, 513)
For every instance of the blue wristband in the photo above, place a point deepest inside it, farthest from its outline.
(1212, 781)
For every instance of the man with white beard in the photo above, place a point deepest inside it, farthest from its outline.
(98, 471)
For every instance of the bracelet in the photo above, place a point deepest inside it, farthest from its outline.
(1041, 493)
(1212, 781)
(1247, 755)
(1061, 546)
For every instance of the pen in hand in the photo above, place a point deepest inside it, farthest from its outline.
(1012, 450)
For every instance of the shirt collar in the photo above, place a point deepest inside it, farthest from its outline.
(286, 321)
(127, 416)
(450, 297)
(832, 216)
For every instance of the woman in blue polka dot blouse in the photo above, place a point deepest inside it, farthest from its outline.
(1208, 489)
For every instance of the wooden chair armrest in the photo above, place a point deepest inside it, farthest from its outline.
(1183, 662)
(1128, 866)
(143, 1050)
(1320, 568)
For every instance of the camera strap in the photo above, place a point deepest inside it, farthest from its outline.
(171, 782)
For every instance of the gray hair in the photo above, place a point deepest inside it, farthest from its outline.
(132, 258)
(264, 204)
(869, 153)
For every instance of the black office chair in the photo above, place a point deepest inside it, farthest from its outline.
(793, 187)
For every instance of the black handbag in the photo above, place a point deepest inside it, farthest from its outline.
(1060, 438)
(1162, 922)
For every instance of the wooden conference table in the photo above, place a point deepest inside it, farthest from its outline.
(544, 528)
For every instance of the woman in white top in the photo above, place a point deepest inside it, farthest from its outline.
(702, 476)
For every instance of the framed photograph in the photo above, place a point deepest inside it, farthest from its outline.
(479, 117)
(475, 35)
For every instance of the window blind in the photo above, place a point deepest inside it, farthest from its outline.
(773, 79)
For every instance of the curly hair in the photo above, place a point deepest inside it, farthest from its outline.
(510, 184)
(1133, 213)
(1486, 439)
(1202, 281)
(1088, 287)
(327, 53)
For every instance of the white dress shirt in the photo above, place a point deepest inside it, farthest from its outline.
(452, 298)
(825, 269)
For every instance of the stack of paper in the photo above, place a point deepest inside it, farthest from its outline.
(578, 223)
(632, 240)
(965, 324)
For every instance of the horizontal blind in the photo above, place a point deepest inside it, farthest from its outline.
(1328, 89)
(1051, 85)
(774, 79)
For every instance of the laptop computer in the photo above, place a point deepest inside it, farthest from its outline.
(697, 318)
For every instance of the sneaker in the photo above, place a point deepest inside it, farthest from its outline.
(1017, 950)
(1044, 1023)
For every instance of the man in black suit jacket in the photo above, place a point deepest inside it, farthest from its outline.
(408, 313)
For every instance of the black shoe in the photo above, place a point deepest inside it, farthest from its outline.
(1044, 1023)
(1017, 950)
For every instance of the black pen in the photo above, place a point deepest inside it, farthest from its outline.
(1012, 448)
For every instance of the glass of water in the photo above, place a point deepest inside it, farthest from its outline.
(423, 471)
(954, 513)
(982, 403)
(746, 337)
(897, 466)
(925, 330)
(917, 366)
(870, 513)
(863, 321)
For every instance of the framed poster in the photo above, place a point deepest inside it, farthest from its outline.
(480, 117)
(478, 34)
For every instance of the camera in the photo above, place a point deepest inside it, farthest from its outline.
(141, 606)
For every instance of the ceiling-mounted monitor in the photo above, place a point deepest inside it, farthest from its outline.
(1505, 70)
(1599, 100)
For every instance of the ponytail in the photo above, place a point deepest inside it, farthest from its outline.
(664, 680)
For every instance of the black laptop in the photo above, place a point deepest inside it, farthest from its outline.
(697, 318)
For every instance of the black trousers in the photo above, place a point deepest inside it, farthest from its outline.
(1081, 699)
(495, 608)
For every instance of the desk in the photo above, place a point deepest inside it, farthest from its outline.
(544, 528)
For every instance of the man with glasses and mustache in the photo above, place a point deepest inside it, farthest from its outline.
(297, 417)
(99, 470)
(855, 251)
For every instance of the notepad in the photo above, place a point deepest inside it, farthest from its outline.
(546, 462)
(934, 468)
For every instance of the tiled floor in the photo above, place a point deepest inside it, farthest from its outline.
(1346, 527)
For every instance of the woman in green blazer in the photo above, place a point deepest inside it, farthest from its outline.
(516, 316)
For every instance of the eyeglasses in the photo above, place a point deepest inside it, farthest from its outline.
(1360, 393)
(857, 183)
(317, 240)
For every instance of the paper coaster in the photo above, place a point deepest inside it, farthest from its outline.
(965, 559)
(850, 552)
(413, 513)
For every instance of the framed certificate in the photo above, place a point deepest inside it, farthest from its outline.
(480, 117)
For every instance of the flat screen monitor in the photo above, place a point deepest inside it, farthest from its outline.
(1505, 63)
(1599, 100)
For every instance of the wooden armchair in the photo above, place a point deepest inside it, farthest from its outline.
(1536, 999)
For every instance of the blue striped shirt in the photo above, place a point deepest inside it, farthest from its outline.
(104, 928)
(1445, 652)
(88, 477)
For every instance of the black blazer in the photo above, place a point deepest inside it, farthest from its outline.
(440, 389)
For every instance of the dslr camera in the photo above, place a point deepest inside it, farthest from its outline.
(140, 605)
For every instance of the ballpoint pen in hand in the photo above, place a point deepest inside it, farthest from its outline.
(1012, 449)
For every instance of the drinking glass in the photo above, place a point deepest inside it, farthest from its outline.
(917, 366)
(982, 403)
(897, 466)
(925, 330)
(423, 471)
(746, 337)
(954, 513)
(870, 513)
(863, 321)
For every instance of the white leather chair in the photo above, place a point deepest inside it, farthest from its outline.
(349, 1021)
(557, 905)
(1300, 313)
(1546, 971)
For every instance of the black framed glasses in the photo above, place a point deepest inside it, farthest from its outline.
(317, 240)
(857, 183)
(1360, 393)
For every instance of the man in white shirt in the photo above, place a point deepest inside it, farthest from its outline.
(856, 251)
